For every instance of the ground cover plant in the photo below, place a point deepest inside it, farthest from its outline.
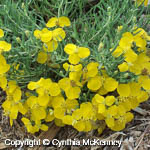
(80, 63)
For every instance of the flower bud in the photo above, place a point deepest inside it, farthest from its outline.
(27, 32)
(18, 39)
(101, 45)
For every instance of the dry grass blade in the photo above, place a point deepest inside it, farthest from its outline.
(139, 141)
(3, 146)
(141, 111)
(50, 134)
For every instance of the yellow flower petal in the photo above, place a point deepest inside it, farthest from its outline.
(54, 89)
(58, 34)
(1, 33)
(38, 113)
(37, 34)
(5, 46)
(117, 52)
(50, 117)
(80, 125)
(17, 95)
(83, 52)
(110, 122)
(42, 57)
(123, 90)
(68, 120)
(64, 83)
(59, 112)
(44, 127)
(70, 49)
(94, 83)
(3, 82)
(101, 108)
(43, 100)
(64, 21)
(50, 46)
(92, 69)
(110, 100)
(74, 59)
(73, 92)
(123, 67)
(130, 56)
(110, 84)
(52, 22)
(46, 36)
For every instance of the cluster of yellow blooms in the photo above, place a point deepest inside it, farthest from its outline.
(107, 102)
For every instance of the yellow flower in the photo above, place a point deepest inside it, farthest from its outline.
(130, 56)
(119, 28)
(42, 57)
(57, 35)
(3, 82)
(80, 125)
(77, 114)
(50, 116)
(92, 69)
(50, 46)
(145, 82)
(117, 52)
(128, 116)
(45, 35)
(61, 21)
(76, 76)
(73, 68)
(59, 122)
(112, 111)
(135, 88)
(50, 38)
(37, 34)
(87, 110)
(4, 67)
(141, 63)
(1, 33)
(141, 33)
(140, 42)
(123, 67)
(99, 101)
(29, 126)
(126, 41)
(76, 53)
(12, 108)
(143, 96)
(13, 91)
(71, 88)
(34, 128)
